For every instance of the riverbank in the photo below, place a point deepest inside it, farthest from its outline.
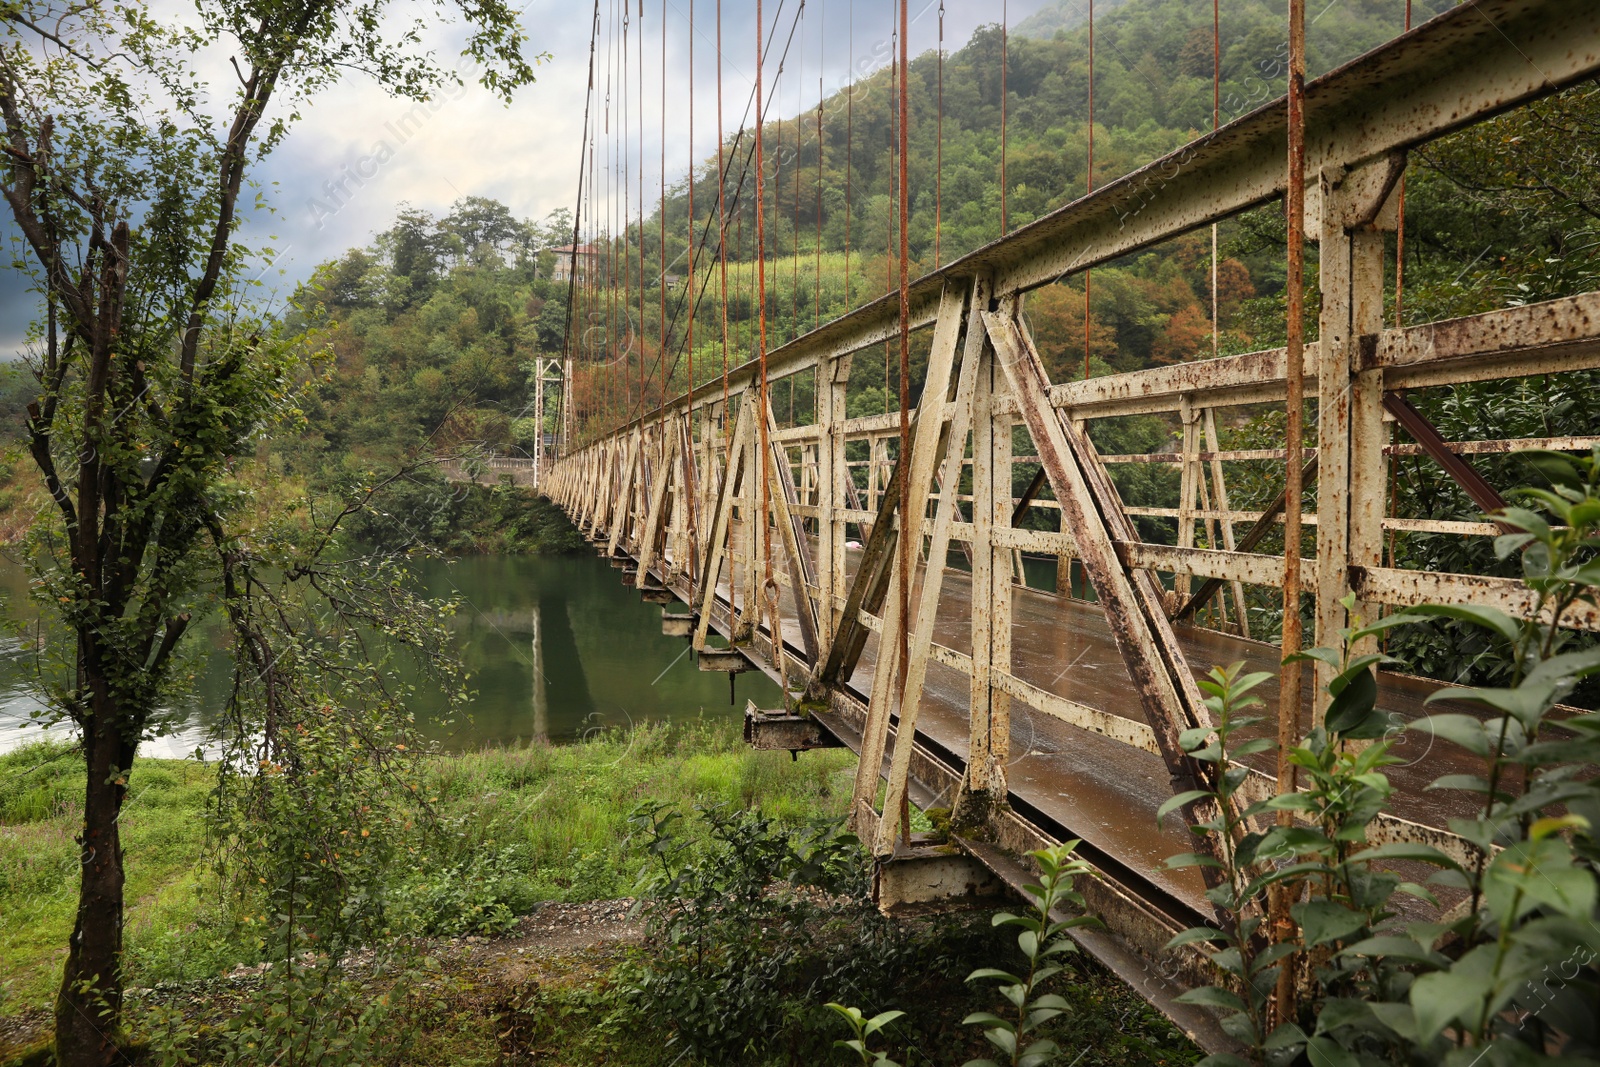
(550, 823)
(535, 952)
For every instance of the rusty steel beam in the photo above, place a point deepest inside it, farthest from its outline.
(1433, 443)
(1131, 600)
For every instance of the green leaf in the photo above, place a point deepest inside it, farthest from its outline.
(1323, 921)
(993, 972)
(1471, 783)
(1331, 656)
(1251, 747)
(1388, 622)
(1506, 544)
(1442, 997)
(1179, 801)
(1191, 859)
(1003, 1038)
(1565, 666)
(1326, 1052)
(1397, 1017)
(1349, 712)
(1038, 1054)
(1287, 1035)
(1531, 873)
(1527, 703)
(1344, 1011)
(1557, 468)
(1212, 997)
(1464, 730)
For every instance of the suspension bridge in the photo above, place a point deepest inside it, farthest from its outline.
(872, 564)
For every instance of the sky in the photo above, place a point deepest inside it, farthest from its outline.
(356, 154)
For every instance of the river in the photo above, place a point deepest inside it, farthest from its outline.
(555, 647)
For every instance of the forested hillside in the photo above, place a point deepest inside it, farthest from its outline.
(435, 324)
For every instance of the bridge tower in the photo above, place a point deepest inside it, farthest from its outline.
(549, 371)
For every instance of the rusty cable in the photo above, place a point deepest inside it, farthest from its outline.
(763, 400)
(849, 146)
(1216, 120)
(938, 163)
(1400, 241)
(1281, 926)
(1005, 62)
(907, 527)
(1088, 275)
(661, 254)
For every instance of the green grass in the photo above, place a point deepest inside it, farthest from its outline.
(522, 825)
(41, 804)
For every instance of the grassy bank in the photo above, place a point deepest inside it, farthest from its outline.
(531, 959)
(534, 823)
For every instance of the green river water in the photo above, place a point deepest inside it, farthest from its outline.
(556, 647)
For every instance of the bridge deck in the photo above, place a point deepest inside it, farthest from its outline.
(1102, 790)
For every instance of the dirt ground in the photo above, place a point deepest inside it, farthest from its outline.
(569, 933)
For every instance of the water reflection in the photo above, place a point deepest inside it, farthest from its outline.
(556, 647)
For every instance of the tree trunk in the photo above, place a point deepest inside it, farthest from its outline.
(89, 1005)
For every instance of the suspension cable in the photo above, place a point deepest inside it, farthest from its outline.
(1216, 121)
(794, 229)
(762, 410)
(816, 315)
(640, 129)
(938, 165)
(572, 284)
(889, 219)
(909, 527)
(627, 202)
(661, 255)
(689, 270)
(1005, 62)
(849, 146)
(739, 190)
(1088, 275)
(1400, 236)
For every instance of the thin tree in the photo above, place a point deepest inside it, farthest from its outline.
(126, 146)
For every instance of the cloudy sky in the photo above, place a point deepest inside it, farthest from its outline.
(357, 153)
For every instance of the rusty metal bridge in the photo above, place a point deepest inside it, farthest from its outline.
(1038, 715)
